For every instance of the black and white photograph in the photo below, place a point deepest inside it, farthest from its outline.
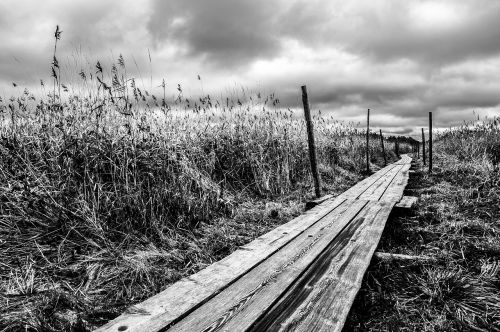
(249, 166)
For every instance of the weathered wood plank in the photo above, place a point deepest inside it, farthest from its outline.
(396, 186)
(405, 159)
(358, 189)
(395, 192)
(321, 299)
(236, 308)
(385, 256)
(188, 293)
(177, 303)
(379, 188)
(406, 202)
(368, 184)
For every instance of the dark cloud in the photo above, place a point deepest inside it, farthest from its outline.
(237, 32)
(401, 59)
(467, 97)
(227, 32)
(399, 103)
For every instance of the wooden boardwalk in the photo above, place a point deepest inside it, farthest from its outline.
(301, 276)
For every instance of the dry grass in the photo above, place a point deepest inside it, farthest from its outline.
(456, 222)
(109, 194)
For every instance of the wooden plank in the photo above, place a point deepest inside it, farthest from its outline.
(405, 159)
(183, 296)
(385, 256)
(395, 184)
(379, 188)
(406, 202)
(377, 195)
(237, 307)
(358, 189)
(395, 192)
(321, 299)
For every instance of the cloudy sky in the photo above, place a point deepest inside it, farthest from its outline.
(401, 59)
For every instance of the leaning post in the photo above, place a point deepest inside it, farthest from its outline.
(310, 139)
(383, 147)
(430, 142)
(368, 142)
(396, 146)
(423, 145)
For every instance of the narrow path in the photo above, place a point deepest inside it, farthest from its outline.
(301, 276)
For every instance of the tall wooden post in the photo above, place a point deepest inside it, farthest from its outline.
(430, 142)
(368, 142)
(383, 147)
(423, 145)
(396, 146)
(310, 139)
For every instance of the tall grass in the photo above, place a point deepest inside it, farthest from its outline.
(109, 193)
(477, 142)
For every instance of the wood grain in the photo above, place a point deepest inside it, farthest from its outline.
(379, 188)
(395, 192)
(358, 189)
(185, 295)
(240, 304)
(321, 299)
(384, 256)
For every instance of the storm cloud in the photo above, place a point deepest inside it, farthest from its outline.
(401, 59)
(224, 31)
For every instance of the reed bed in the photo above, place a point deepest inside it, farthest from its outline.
(110, 193)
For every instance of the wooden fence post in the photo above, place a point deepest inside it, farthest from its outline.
(310, 139)
(423, 145)
(396, 146)
(368, 142)
(430, 142)
(383, 147)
